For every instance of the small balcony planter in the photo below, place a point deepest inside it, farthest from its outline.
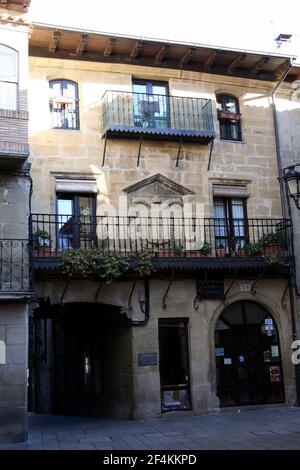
(225, 115)
(42, 243)
(272, 243)
(253, 249)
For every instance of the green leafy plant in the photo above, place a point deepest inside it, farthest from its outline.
(275, 259)
(274, 238)
(178, 248)
(253, 249)
(206, 248)
(76, 262)
(104, 265)
(143, 264)
(41, 238)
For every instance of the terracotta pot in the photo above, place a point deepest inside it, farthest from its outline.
(272, 248)
(220, 252)
(42, 251)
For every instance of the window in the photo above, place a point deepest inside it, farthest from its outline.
(64, 104)
(230, 224)
(8, 78)
(229, 117)
(151, 104)
(76, 221)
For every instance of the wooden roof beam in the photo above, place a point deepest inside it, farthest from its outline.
(259, 64)
(281, 70)
(210, 60)
(236, 62)
(82, 45)
(187, 56)
(135, 50)
(161, 53)
(109, 48)
(54, 42)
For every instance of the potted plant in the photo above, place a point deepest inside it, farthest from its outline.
(220, 250)
(199, 249)
(253, 249)
(275, 259)
(272, 242)
(42, 243)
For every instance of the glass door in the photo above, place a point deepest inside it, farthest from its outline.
(174, 365)
(76, 221)
(151, 104)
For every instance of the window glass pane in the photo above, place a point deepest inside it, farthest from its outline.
(65, 229)
(69, 89)
(8, 95)
(8, 64)
(230, 105)
(55, 89)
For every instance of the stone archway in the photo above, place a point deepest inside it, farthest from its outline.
(248, 356)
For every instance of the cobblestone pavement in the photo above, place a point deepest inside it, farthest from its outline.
(276, 428)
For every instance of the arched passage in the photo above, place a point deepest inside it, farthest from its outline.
(248, 359)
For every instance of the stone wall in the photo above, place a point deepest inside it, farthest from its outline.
(139, 386)
(72, 153)
(13, 372)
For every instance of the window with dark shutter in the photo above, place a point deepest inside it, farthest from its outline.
(229, 117)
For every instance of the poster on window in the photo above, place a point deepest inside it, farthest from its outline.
(275, 374)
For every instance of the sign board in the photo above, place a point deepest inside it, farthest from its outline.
(210, 290)
(147, 359)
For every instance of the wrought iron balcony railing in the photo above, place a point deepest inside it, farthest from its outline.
(161, 115)
(15, 272)
(163, 237)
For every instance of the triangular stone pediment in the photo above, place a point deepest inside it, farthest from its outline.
(157, 185)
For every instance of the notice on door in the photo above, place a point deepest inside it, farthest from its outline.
(275, 374)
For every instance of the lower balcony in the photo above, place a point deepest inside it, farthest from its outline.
(172, 242)
(15, 272)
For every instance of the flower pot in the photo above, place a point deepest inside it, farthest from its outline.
(220, 252)
(272, 248)
(42, 251)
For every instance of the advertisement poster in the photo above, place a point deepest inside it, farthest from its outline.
(267, 356)
(275, 374)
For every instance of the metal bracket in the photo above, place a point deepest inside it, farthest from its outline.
(64, 292)
(210, 153)
(104, 149)
(179, 150)
(131, 294)
(164, 303)
(283, 304)
(229, 288)
(139, 152)
(197, 298)
(259, 278)
(98, 290)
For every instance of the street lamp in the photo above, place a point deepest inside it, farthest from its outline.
(291, 177)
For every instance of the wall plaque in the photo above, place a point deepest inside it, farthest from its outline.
(147, 359)
(212, 289)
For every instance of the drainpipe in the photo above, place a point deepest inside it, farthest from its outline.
(277, 141)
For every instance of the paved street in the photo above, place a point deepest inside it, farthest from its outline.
(276, 428)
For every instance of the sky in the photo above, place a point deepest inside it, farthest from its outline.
(251, 24)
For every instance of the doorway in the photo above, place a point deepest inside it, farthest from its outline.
(76, 356)
(174, 364)
(248, 359)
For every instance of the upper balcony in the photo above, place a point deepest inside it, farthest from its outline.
(161, 117)
(15, 271)
(184, 243)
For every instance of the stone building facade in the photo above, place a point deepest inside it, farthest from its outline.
(160, 153)
(164, 343)
(15, 283)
